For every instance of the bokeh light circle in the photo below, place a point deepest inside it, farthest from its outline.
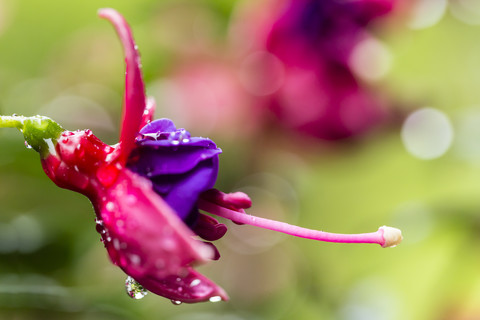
(427, 133)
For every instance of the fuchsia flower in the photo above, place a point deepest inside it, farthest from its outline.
(147, 191)
(314, 40)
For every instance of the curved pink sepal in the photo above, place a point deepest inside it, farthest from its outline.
(149, 242)
(134, 98)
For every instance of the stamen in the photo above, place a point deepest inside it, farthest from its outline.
(384, 236)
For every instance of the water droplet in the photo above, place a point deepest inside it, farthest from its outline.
(134, 289)
(99, 226)
(169, 244)
(215, 299)
(116, 244)
(27, 145)
(148, 171)
(107, 175)
(176, 302)
(110, 206)
(131, 199)
(135, 259)
(195, 282)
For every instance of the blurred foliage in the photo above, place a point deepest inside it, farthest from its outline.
(58, 59)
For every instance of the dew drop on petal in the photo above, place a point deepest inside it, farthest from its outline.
(134, 289)
(176, 302)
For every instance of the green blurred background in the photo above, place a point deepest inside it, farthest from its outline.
(58, 59)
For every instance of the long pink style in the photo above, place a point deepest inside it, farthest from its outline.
(384, 236)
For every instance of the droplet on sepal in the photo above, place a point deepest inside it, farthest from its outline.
(176, 302)
(215, 299)
(134, 289)
(27, 145)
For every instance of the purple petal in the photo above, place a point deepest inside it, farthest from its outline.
(152, 162)
(159, 125)
(184, 192)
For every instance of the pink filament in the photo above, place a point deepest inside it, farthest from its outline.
(373, 237)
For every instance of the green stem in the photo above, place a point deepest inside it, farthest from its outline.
(41, 133)
(12, 122)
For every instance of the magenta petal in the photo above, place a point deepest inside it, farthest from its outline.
(145, 238)
(134, 98)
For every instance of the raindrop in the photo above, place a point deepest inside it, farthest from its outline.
(116, 244)
(135, 259)
(134, 289)
(215, 299)
(99, 226)
(176, 302)
(110, 206)
(131, 199)
(195, 282)
(27, 145)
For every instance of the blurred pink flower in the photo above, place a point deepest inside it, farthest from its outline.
(291, 58)
(314, 40)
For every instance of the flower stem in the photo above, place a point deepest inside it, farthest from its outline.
(384, 236)
(12, 122)
(39, 132)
